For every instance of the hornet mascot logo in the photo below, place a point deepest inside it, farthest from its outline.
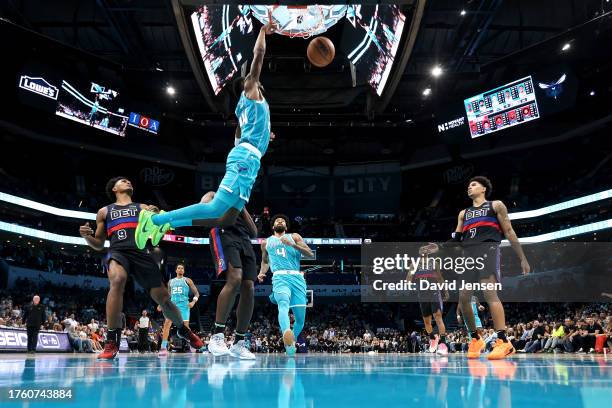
(553, 89)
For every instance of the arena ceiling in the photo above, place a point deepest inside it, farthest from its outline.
(143, 35)
(474, 48)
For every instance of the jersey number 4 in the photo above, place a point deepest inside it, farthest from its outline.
(281, 252)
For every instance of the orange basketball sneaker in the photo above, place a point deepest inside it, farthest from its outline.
(475, 348)
(501, 350)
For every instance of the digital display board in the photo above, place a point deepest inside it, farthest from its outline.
(370, 37)
(224, 34)
(502, 107)
(370, 40)
(93, 105)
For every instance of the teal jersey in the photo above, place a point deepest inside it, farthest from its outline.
(179, 291)
(282, 257)
(254, 119)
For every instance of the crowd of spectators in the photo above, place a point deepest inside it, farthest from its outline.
(330, 328)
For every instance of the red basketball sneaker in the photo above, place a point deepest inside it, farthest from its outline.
(194, 341)
(110, 351)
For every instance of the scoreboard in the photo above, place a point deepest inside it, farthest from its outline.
(502, 107)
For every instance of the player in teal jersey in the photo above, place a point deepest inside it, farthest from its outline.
(179, 288)
(282, 252)
(251, 142)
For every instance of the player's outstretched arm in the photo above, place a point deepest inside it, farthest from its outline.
(506, 226)
(265, 263)
(95, 240)
(259, 51)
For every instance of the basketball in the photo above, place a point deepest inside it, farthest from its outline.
(321, 52)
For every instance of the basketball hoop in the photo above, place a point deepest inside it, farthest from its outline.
(300, 21)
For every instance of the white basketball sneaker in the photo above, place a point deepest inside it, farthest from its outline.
(238, 350)
(217, 346)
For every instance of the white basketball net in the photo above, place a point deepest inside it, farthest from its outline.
(301, 21)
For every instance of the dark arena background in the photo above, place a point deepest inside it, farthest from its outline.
(442, 129)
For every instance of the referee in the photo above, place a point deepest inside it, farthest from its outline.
(143, 332)
(34, 318)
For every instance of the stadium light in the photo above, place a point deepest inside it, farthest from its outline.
(436, 71)
(463, 12)
(426, 91)
(566, 47)
(170, 90)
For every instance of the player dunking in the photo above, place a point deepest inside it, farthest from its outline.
(179, 288)
(117, 222)
(431, 301)
(479, 229)
(282, 253)
(251, 142)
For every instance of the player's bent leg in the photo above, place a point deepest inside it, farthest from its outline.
(184, 217)
(117, 277)
(154, 226)
(227, 219)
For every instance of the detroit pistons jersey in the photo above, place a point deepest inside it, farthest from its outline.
(282, 257)
(120, 223)
(254, 119)
(480, 224)
(425, 273)
(179, 290)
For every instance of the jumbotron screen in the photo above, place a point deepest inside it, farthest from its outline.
(501, 108)
(93, 105)
(370, 37)
(224, 34)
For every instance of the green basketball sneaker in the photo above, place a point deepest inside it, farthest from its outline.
(145, 228)
(159, 234)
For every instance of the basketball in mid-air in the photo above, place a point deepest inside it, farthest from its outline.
(321, 51)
